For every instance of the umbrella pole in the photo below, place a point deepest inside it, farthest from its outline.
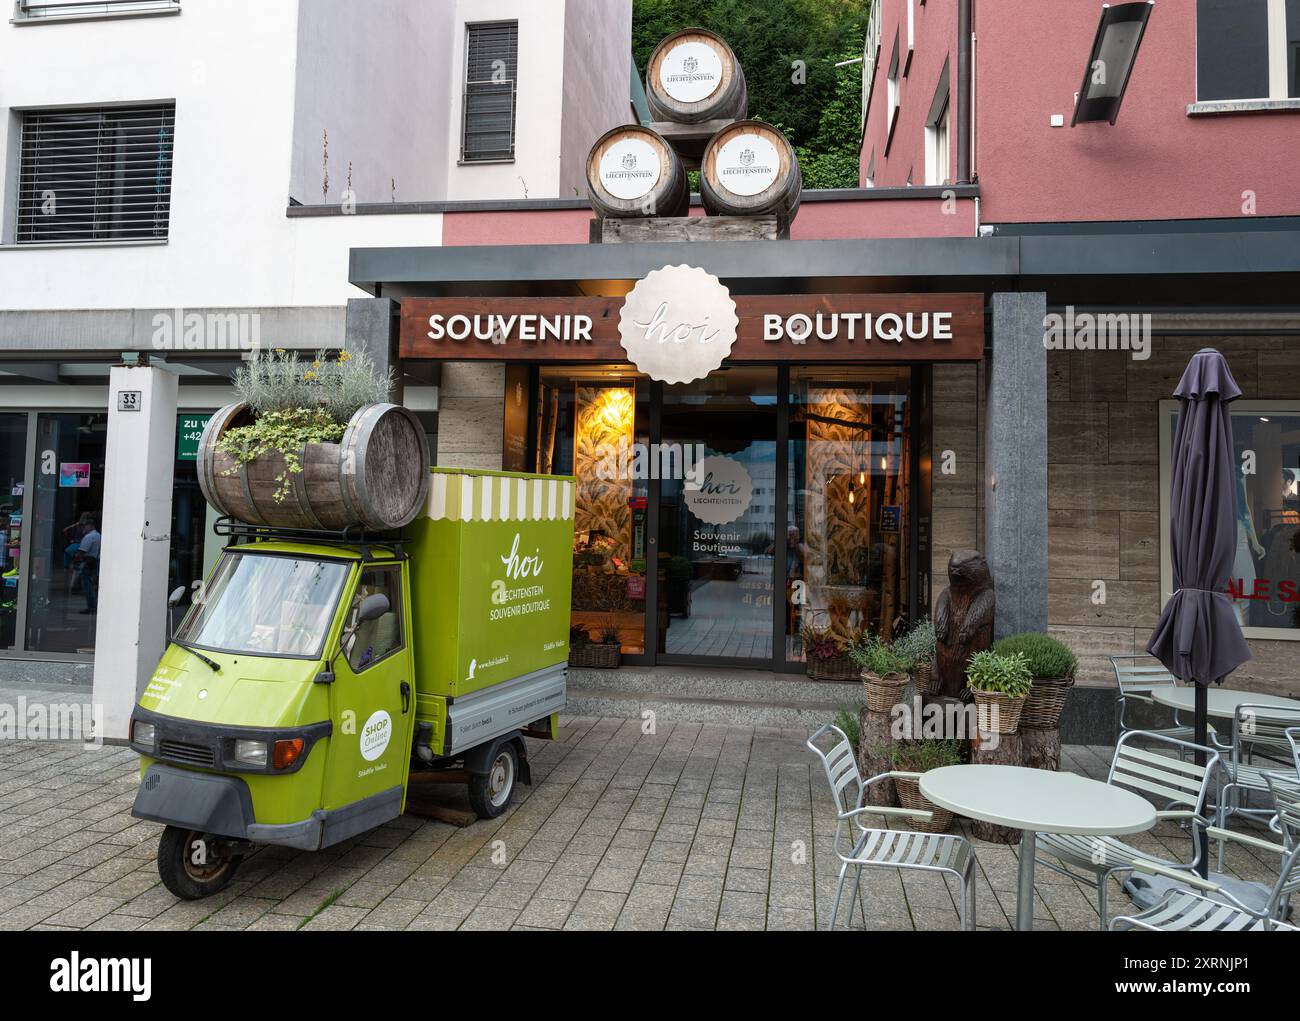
(1202, 729)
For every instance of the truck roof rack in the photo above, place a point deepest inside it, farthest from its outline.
(353, 535)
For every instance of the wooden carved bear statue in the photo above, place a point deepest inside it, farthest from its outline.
(963, 619)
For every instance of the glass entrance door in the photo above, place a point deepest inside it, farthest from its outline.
(717, 517)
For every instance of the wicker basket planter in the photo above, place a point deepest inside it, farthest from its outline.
(1045, 702)
(838, 668)
(884, 691)
(910, 796)
(603, 656)
(1008, 711)
(924, 678)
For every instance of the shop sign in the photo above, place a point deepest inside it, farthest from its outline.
(724, 492)
(678, 324)
(74, 475)
(189, 431)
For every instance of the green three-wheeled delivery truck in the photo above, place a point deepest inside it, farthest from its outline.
(319, 670)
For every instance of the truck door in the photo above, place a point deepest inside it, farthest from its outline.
(373, 699)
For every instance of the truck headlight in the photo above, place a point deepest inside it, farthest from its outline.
(143, 733)
(250, 753)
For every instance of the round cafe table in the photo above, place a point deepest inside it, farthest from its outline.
(1036, 801)
(1222, 703)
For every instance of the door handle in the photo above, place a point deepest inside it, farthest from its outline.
(406, 697)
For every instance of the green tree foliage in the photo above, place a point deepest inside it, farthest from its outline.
(788, 49)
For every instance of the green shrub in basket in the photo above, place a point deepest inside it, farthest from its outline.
(1047, 658)
(993, 672)
(877, 656)
(922, 756)
(918, 643)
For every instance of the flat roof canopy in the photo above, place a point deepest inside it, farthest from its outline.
(1243, 269)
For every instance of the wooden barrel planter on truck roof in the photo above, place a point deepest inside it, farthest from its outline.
(693, 76)
(376, 477)
(750, 169)
(633, 172)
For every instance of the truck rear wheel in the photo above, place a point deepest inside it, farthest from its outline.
(188, 869)
(489, 793)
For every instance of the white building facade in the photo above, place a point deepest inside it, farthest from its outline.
(156, 157)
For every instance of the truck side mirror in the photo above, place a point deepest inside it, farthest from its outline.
(173, 601)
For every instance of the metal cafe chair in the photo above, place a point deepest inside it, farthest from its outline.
(1163, 778)
(1186, 911)
(1137, 677)
(1272, 736)
(884, 848)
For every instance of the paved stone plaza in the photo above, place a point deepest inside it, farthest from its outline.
(693, 827)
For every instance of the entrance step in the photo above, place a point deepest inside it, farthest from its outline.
(749, 698)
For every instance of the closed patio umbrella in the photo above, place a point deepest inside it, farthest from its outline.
(1198, 638)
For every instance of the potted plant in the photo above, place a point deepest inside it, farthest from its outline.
(681, 572)
(315, 445)
(605, 654)
(1000, 685)
(826, 655)
(921, 757)
(918, 645)
(885, 672)
(1052, 666)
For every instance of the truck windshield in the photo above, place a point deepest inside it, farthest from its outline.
(266, 605)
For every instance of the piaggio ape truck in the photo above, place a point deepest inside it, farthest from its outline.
(319, 671)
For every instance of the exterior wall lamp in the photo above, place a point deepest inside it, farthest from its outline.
(1114, 51)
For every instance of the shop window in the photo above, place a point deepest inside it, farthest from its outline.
(194, 547)
(593, 423)
(91, 175)
(1247, 49)
(13, 496)
(63, 563)
(1265, 582)
(491, 89)
(847, 549)
(375, 640)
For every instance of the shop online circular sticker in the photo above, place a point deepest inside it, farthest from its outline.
(375, 735)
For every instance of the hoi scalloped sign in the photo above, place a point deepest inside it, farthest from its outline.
(678, 324)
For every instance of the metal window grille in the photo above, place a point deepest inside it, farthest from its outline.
(491, 88)
(98, 174)
(30, 10)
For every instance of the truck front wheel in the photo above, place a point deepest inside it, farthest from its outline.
(189, 867)
(489, 793)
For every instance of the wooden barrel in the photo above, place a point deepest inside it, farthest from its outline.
(693, 77)
(750, 169)
(376, 477)
(633, 172)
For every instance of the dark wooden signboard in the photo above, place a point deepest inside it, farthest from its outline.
(773, 328)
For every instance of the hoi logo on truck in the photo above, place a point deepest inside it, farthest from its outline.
(518, 568)
(375, 735)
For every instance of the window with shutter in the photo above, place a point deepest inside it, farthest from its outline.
(98, 174)
(491, 64)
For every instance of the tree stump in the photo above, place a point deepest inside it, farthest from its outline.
(1004, 752)
(875, 737)
(1040, 749)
